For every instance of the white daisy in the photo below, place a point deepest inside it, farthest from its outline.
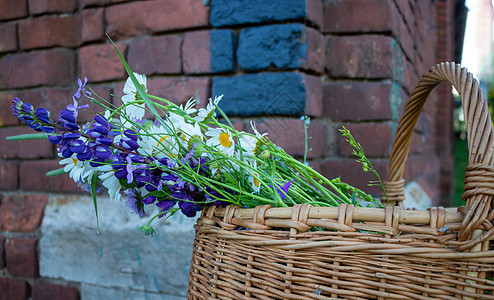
(254, 178)
(190, 134)
(159, 142)
(189, 109)
(134, 111)
(78, 170)
(189, 106)
(222, 139)
(208, 112)
(110, 182)
(248, 143)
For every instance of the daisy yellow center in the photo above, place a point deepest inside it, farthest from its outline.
(225, 140)
(137, 96)
(74, 161)
(163, 138)
(256, 182)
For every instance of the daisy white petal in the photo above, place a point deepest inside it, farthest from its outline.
(222, 140)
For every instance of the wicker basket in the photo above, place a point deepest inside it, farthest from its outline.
(368, 253)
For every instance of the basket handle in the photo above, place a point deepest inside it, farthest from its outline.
(479, 173)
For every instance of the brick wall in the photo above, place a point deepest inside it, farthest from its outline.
(346, 63)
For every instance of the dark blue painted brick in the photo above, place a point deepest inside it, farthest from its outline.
(222, 50)
(280, 45)
(232, 12)
(261, 94)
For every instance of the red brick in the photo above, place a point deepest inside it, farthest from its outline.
(315, 9)
(86, 3)
(407, 13)
(315, 52)
(156, 55)
(411, 78)
(51, 6)
(93, 25)
(353, 16)
(289, 135)
(9, 171)
(13, 289)
(22, 212)
(6, 116)
(351, 172)
(179, 90)
(13, 9)
(33, 177)
(406, 40)
(101, 62)
(48, 31)
(196, 52)
(357, 101)
(314, 95)
(44, 290)
(136, 18)
(21, 257)
(2, 251)
(365, 56)
(8, 32)
(44, 67)
(375, 139)
(417, 144)
(23, 149)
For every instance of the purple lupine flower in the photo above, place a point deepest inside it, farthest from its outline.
(75, 107)
(285, 188)
(78, 146)
(101, 129)
(131, 134)
(103, 141)
(71, 135)
(149, 200)
(165, 205)
(55, 139)
(82, 85)
(153, 184)
(142, 176)
(67, 116)
(102, 151)
(129, 144)
(27, 108)
(130, 168)
(42, 114)
(187, 208)
(85, 155)
(16, 107)
(134, 203)
(103, 121)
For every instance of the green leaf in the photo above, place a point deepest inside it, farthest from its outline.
(56, 172)
(94, 184)
(136, 83)
(28, 136)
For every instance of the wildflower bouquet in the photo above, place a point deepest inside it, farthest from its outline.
(183, 158)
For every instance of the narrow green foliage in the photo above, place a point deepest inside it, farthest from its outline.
(28, 136)
(94, 184)
(358, 151)
(56, 172)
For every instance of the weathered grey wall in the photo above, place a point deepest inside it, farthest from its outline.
(118, 262)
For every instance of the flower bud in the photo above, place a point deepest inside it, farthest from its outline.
(265, 154)
(217, 175)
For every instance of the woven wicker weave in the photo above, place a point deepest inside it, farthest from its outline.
(369, 253)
